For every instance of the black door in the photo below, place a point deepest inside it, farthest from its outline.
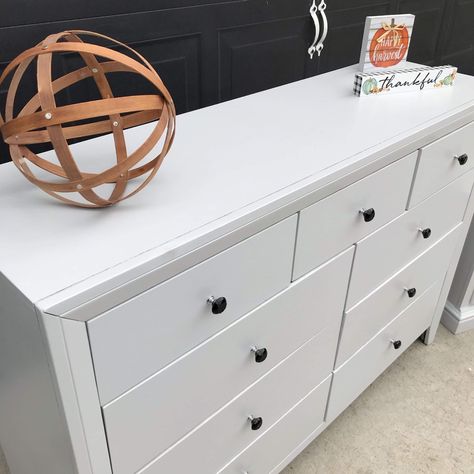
(209, 51)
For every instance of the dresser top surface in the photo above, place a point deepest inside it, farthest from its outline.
(229, 164)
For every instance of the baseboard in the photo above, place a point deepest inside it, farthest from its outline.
(456, 320)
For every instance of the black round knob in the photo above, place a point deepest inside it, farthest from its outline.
(369, 214)
(462, 159)
(255, 422)
(397, 344)
(260, 354)
(426, 233)
(218, 305)
(411, 292)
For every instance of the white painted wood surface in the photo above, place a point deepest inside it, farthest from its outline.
(243, 160)
(71, 364)
(370, 315)
(283, 437)
(467, 219)
(353, 377)
(228, 432)
(85, 392)
(177, 310)
(386, 251)
(32, 427)
(438, 165)
(312, 306)
(67, 400)
(336, 222)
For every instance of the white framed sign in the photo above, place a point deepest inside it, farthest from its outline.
(386, 42)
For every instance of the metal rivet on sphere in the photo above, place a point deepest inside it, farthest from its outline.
(79, 120)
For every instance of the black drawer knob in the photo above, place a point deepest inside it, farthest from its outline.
(462, 159)
(411, 292)
(218, 305)
(260, 354)
(426, 233)
(369, 214)
(396, 344)
(256, 422)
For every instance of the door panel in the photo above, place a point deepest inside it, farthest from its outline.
(214, 50)
(258, 57)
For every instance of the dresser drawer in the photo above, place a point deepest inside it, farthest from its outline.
(136, 339)
(385, 252)
(274, 446)
(335, 223)
(160, 411)
(352, 378)
(366, 319)
(228, 432)
(443, 161)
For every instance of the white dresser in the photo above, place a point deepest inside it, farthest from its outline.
(293, 245)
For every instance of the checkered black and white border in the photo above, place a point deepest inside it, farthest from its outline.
(358, 84)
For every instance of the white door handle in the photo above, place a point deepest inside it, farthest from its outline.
(313, 11)
(318, 43)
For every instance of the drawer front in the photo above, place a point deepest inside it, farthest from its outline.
(226, 434)
(333, 224)
(366, 319)
(136, 339)
(441, 162)
(385, 252)
(352, 378)
(160, 411)
(284, 437)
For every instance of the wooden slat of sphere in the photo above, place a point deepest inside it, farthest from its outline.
(42, 121)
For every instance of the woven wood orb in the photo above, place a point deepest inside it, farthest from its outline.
(41, 121)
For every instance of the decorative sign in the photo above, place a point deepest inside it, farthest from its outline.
(408, 80)
(386, 41)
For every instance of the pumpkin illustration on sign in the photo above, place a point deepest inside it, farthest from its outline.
(370, 86)
(389, 45)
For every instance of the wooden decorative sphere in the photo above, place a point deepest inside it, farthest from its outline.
(41, 121)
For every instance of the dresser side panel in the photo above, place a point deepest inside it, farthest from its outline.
(468, 216)
(461, 290)
(33, 433)
(86, 396)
